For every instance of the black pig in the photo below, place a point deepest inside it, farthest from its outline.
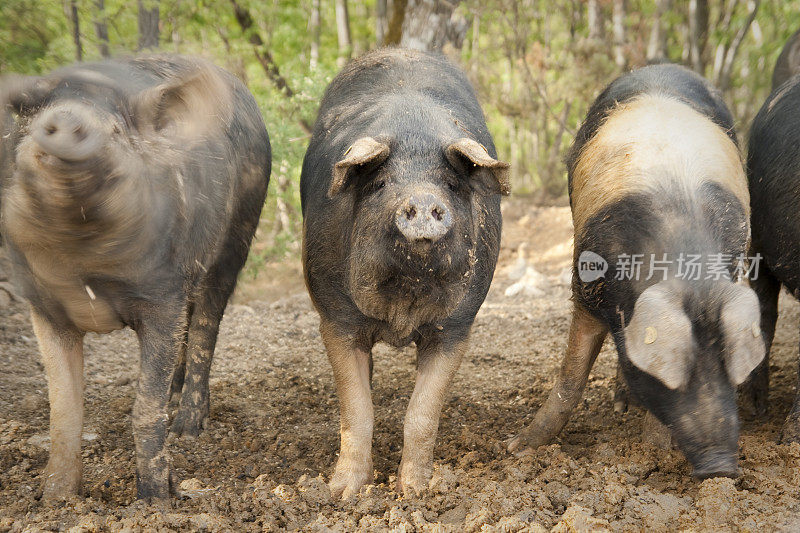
(401, 198)
(655, 170)
(773, 167)
(134, 189)
(788, 63)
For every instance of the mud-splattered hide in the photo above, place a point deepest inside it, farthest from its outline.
(655, 170)
(401, 190)
(130, 192)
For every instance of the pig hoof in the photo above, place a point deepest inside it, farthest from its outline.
(189, 422)
(412, 482)
(791, 430)
(621, 400)
(523, 445)
(346, 482)
(59, 485)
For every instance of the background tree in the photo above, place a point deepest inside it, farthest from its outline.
(536, 64)
(148, 24)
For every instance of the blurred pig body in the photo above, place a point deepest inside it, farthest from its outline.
(655, 171)
(773, 166)
(131, 191)
(401, 202)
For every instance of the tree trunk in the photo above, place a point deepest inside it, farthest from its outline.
(698, 34)
(618, 23)
(657, 46)
(148, 24)
(314, 28)
(595, 20)
(381, 22)
(726, 53)
(101, 28)
(429, 24)
(343, 32)
(395, 31)
(263, 55)
(76, 30)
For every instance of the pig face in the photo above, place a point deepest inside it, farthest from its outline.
(418, 214)
(685, 353)
(80, 131)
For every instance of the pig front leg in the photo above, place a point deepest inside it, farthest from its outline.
(160, 332)
(791, 426)
(755, 391)
(62, 356)
(586, 335)
(437, 363)
(351, 363)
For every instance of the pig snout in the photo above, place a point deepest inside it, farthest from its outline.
(67, 134)
(424, 217)
(715, 463)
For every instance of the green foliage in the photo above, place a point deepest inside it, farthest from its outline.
(534, 67)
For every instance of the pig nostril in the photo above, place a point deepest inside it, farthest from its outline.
(80, 133)
(411, 213)
(51, 129)
(437, 213)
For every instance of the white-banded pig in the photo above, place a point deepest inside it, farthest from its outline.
(773, 166)
(401, 201)
(656, 186)
(131, 190)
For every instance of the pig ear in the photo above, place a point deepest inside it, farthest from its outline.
(740, 321)
(477, 155)
(23, 92)
(192, 105)
(658, 339)
(365, 150)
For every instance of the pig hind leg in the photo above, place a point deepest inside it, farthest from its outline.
(207, 310)
(586, 337)
(62, 356)
(754, 392)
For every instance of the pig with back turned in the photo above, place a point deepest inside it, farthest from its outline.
(401, 201)
(655, 170)
(773, 167)
(130, 192)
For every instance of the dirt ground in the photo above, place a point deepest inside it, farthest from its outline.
(273, 433)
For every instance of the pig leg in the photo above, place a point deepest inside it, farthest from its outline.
(791, 427)
(351, 370)
(179, 375)
(621, 393)
(62, 356)
(206, 315)
(438, 361)
(755, 391)
(586, 337)
(160, 331)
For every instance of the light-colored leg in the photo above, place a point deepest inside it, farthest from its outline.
(62, 356)
(351, 370)
(586, 335)
(437, 365)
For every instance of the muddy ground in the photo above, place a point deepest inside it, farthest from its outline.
(273, 432)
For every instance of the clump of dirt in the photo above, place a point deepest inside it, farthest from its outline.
(273, 434)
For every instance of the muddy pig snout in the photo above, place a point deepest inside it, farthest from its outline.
(70, 134)
(424, 217)
(716, 463)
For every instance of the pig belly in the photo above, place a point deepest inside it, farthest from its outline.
(89, 314)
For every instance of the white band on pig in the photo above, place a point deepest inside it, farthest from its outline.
(740, 322)
(658, 339)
